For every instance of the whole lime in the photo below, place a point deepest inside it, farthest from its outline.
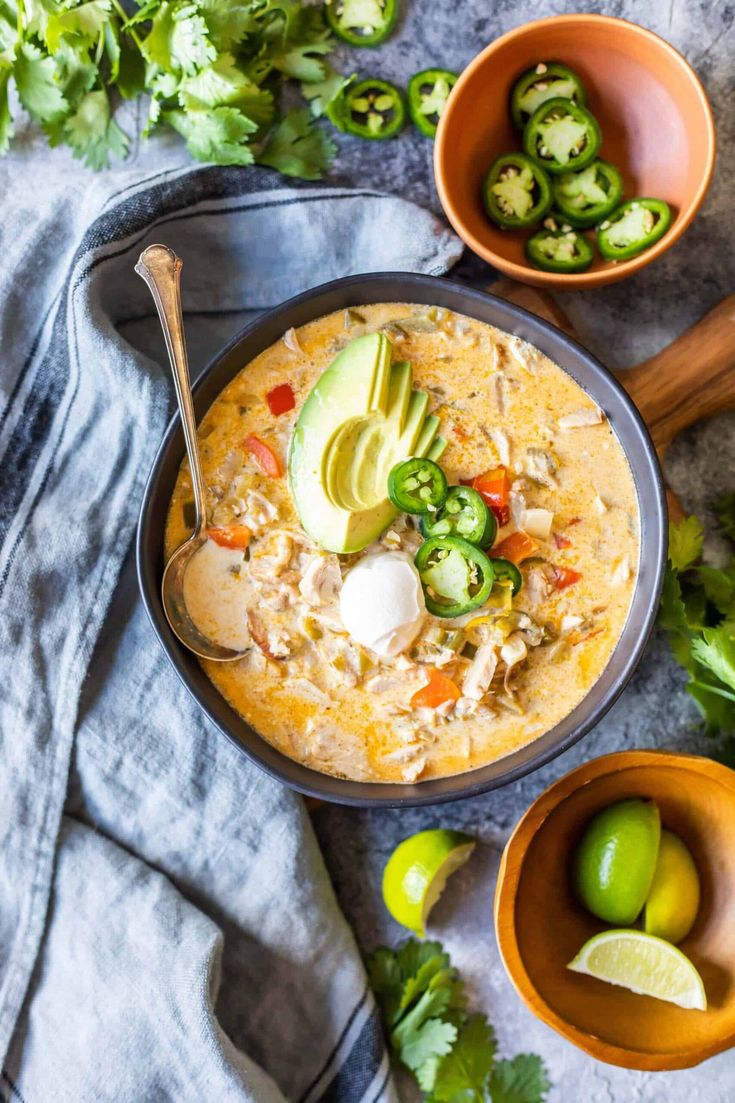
(616, 859)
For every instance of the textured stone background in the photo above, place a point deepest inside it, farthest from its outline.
(623, 324)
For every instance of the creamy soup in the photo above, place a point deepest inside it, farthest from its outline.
(510, 669)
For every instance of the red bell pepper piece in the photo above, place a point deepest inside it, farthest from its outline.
(494, 488)
(281, 399)
(561, 541)
(565, 576)
(437, 690)
(516, 547)
(266, 458)
(230, 536)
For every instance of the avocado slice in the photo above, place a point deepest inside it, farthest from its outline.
(360, 419)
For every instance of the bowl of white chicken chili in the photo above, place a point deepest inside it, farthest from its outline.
(437, 531)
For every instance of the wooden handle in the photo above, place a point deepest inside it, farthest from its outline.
(692, 379)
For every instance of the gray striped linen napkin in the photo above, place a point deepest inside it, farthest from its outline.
(167, 927)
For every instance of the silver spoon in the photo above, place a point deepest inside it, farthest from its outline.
(161, 269)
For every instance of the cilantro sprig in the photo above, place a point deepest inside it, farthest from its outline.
(213, 70)
(698, 613)
(451, 1054)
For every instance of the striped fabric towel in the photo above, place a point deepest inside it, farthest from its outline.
(167, 927)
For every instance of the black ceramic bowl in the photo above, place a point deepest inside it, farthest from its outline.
(591, 376)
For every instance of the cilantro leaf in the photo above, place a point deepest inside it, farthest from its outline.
(224, 84)
(463, 1073)
(718, 584)
(91, 132)
(672, 614)
(6, 119)
(686, 539)
(228, 21)
(725, 511)
(129, 77)
(433, 1039)
(716, 651)
(178, 38)
(85, 21)
(38, 91)
(522, 1080)
(323, 93)
(218, 136)
(298, 148)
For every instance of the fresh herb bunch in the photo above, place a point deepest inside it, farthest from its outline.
(451, 1054)
(698, 613)
(213, 69)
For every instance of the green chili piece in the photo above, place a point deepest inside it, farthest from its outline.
(362, 22)
(417, 486)
(561, 136)
(428, 92)
(516, 192)
(505, 570)
(464, 514)
(557, 251)
(633, 227)
(371, 108)
(587, 196)
(546, 81)
(457, 576)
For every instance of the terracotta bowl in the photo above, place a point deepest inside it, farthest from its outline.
(540, 926)
(656, 122)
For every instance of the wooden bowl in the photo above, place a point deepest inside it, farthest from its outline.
(656, 122)
(540, 926)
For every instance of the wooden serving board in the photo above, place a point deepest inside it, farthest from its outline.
(692, 379)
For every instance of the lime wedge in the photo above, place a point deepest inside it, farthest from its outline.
(644, 964)
(418, 870)
(673, 902)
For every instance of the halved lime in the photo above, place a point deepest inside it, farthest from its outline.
(673, 901)
(417, 872)
(644, 964)
(616, 859)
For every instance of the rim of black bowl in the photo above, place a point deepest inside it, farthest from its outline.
(583, 367)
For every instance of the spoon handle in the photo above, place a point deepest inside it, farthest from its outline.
(161, 269)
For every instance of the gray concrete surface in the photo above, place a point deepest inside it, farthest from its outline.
(623, 324)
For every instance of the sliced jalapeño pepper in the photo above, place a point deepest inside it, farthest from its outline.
(362, 22)
(557, 251)
(516, 192)
(417, 486)
(633, 227)
(370, 108)
(428, 93)
(561, 136)
(546, 81)
(456, 575)
(505, 570)
(587, 196)
(463, 514)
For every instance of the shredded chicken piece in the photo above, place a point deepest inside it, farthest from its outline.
(498, 385)
(513, 652)
(538, 585)
(541, 467)
(392, 540)
(537, 522)
(465, 706)
(480, 674)
(621, 573)
(570, 622)
(589, 415)
(517, 500)
(600, 504)
(306, 688)
(402, 754)
(379, 683)
(258, 511)
(273, 644)
(322, 580)
(413, 770)
(265, 567)
(502, 444)
(291, 341)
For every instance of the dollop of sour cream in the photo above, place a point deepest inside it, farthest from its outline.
(382, 603)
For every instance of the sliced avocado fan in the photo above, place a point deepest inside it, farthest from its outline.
(360, 419)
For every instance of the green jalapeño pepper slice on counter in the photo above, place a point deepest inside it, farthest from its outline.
(456, 575)
(417, 486)
(516, 192)
(428, 92)
(561, 136)
(557, 251)
(546, 81)
(506, 571)
(632, 228)
(371, 108)
(587, 196)
(362, 22)
(463, 514)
